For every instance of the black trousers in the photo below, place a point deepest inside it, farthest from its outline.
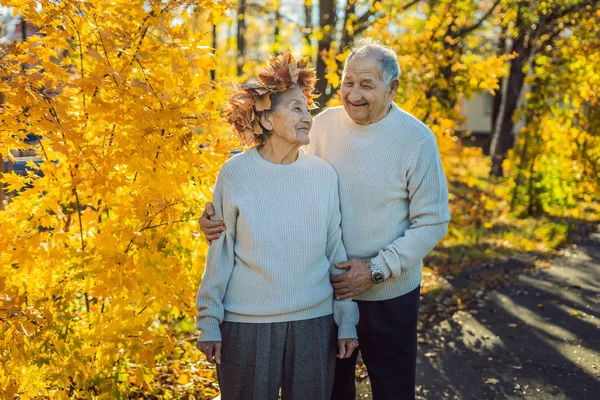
(387, 333)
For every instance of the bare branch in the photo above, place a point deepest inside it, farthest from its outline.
(476, 25)
(148, 82)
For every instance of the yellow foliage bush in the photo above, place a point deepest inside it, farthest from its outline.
(98, 260)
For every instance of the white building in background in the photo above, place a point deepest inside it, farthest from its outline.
(478, 118)
(478, 113)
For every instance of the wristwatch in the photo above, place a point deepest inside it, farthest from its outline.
(376, 274)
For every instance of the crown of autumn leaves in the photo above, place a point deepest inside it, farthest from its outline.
(282, 72)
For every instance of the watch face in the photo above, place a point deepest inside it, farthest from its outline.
(377, 277)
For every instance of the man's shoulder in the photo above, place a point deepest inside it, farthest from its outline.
(321, 165)
(411, 121)
(318, 162)
(412, 126)
(329, 114)
(326, 122)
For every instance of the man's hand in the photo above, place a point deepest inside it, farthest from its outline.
(211, 229)
(212, 350)
(356, 280)
(346, 347)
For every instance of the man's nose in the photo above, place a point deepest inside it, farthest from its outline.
(355, 94)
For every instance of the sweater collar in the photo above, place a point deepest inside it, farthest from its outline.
(256, 155)
(375, 125)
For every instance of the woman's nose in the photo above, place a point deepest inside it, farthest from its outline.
(307, 117)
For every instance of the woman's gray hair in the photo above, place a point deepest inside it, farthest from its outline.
(387, 58)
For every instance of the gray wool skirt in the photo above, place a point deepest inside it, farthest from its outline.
(259, 359)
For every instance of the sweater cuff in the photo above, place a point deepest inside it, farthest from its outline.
(347, 331)
(379, 262)
(209, 330)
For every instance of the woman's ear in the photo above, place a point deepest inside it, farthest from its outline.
(265, 120)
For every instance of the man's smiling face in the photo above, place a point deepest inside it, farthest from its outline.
(364, 95)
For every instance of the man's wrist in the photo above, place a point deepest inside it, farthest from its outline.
(380, 262)
(377, 275)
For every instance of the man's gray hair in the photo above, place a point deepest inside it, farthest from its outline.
(387, 58)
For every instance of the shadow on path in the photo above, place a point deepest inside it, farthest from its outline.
(536, 336)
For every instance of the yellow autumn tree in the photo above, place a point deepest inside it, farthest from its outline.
(555, 165)
(98, 261)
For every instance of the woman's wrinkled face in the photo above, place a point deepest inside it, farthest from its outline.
(290, 119)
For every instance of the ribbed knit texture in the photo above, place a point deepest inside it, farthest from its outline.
(393, 192)
(283, 236)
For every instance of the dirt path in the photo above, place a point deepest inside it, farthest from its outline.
(524, 329)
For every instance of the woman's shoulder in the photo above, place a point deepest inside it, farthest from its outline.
(236, 164)
(238, 158)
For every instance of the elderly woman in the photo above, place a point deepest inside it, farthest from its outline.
(266, 311)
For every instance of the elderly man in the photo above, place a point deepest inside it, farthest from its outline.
(394, 204)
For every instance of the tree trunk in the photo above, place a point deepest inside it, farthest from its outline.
(241, 42)
(213, 72)
(520, 178)
(327, 25)
(502, 46)
(534, 207)
(1, 184)
(529, 150)
(277, 23)
(23, 29)
(503, 137)
(346, 37)
(308, 21)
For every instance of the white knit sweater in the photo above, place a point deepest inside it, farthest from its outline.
(393, 192)
(283, 236)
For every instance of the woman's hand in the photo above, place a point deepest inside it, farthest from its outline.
(346, 347)
(212, 350)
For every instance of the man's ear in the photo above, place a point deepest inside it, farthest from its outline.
(265, 120)
(393, 89)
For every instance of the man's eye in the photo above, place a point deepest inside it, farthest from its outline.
(367, 87)
(348, 83)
